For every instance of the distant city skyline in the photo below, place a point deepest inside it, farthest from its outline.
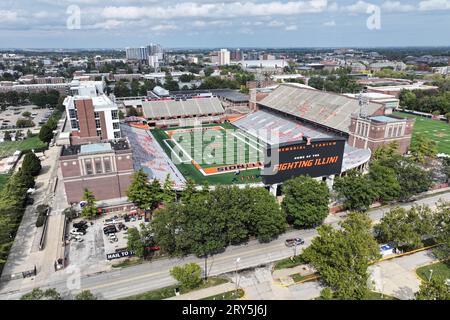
(205, 24)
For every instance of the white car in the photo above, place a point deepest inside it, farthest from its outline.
(76, 233)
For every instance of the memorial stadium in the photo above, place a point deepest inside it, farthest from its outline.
(293, 131)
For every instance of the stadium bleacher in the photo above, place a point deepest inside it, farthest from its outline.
(272, 128)
(324, 108)
(182, 108)
(148, 154)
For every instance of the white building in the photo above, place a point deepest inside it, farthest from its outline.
(224, 57)
(92, 116)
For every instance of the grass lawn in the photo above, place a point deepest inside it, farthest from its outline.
(128, 263)
(230, 295)
(289, 263)
(373, 296)
(188, 170)
(7, 148)
(3, 180)
(167, 292)
(437, 130)
(441, 269)
(378, 296)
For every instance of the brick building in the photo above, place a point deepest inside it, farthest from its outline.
(103, 168)
(92, 119)
(374, 132)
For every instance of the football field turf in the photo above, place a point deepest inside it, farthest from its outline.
(218, 154)
(436, 130)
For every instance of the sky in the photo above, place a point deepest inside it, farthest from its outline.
(223, 23)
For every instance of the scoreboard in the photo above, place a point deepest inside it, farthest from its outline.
(315, 158)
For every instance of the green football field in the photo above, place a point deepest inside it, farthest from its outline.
(437, 130)
(212, 149)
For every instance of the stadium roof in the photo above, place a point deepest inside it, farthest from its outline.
(180, 108)
(323, 108)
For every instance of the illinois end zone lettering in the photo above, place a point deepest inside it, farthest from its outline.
(323, 157)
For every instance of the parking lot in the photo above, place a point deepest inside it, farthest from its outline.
(89, 251)
(9, 117)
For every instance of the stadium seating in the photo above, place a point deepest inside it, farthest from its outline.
(182, 108)
(327, 109)
(149, 155)
(272, 128)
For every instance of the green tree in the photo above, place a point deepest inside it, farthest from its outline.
(305, 202)
(413, 179)
(46, 133)
(266, 219)
(31, 164)
(442, 230)
(121, 89)
(89, 210)
(356, 190)
(423, 148)
(39, 294)
(85, 295)
(436, 289)
(406, 228)
(326, 294)
(168, 195)
(141, 192)
(7, 136)
(447, 116)
(384, 182)
(188, 191)
(342, 257)
(135, 243)
(189, 276)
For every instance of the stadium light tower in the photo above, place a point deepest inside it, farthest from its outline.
(363, 103)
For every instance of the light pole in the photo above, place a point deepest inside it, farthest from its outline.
(431, 274)
(237, 281)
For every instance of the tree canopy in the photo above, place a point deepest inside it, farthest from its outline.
(342, 257)
(305, 202)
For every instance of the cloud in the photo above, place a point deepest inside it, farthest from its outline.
(291, 28)
(164, 27)
(275, 23)
(8, 16)
(331, 23)
(208, 10)
(397, 6)
(431, 5)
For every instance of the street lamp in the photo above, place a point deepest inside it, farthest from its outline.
(431, 274)
(237, 281)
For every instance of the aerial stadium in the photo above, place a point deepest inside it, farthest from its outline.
(294, 130)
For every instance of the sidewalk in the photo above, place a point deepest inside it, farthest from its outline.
(207, 292)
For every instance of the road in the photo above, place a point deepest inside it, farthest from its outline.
(149, 276)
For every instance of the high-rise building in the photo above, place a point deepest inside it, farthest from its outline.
(153, 61)
(236, 55)
(224, 57)
(139, 54)
(92, 117)
(143, 53)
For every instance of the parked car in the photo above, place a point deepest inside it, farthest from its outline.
(75, 232)
(109, 230)
(80, 224)
(294, 242)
